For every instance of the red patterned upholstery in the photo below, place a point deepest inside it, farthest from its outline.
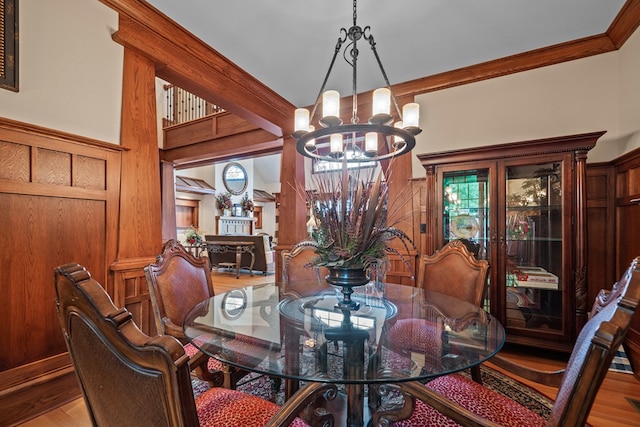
(213, 364)
(221, 407)
(417, 335)
(480, 400)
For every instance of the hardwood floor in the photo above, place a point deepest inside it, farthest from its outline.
(611, 408)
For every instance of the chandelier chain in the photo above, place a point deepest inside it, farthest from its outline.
(355, 12)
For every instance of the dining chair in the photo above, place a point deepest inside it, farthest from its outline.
(454, 397)
(131, 379)
(454, 271)
(177, 282)
(299, 276)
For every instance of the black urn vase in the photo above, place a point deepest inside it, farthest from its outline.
(347, 278)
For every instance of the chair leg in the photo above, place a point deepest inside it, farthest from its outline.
(231, 376)
(475, 374)
(199, 363)
(276, 382)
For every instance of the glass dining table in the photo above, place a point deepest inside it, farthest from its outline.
(399, 333)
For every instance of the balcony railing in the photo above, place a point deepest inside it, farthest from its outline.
(182, 106)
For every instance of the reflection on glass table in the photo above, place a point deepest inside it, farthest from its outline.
(309, 338)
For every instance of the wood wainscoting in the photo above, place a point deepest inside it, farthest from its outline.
(613, 212)
(59, 198)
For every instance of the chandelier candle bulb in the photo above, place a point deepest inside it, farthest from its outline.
(411, 116)
(331, 108)
(311, 144)
(336, 144)
(301, 120)
(381, 101)
(397, 140)
(381, 106)
(371, 143)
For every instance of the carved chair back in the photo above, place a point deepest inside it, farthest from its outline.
(593, 353)
(177, 282)
(125, 375)
(299, 276)
(454, 271)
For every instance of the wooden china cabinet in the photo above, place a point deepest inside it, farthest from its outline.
(523, 204)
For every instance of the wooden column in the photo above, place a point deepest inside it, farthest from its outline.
(292, 210)
(401, 215)
(140, 222)
(140, 229)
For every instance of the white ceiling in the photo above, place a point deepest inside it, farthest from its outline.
(288, 44)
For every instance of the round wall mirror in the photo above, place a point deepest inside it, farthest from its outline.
(234, 303)
(234, 177)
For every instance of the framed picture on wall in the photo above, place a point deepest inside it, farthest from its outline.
(9, 48)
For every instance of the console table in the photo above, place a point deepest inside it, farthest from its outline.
(230, 246)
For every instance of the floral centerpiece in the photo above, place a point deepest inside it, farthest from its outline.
(193, 236)
(351, 230)
(223, 201)
(246, 203)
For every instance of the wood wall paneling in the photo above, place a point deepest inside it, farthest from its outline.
(130, 290)
(601, 271)
(59, 196)
(613, 205)
(627, 170)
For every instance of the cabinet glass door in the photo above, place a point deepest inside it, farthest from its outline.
(533, 244)
(465, 215)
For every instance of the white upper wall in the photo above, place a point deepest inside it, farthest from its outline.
(207, 211)
(70, 71)
(591, 94)
(629, 89)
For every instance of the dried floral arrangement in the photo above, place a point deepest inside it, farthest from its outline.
(223, 201)
(246, 203)
(351, 213)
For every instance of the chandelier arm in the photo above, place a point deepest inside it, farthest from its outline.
(372, 43)
(339, 43)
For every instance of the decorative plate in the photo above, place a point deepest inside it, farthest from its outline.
(464, 226)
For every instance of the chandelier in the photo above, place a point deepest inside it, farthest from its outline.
(378, 139)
